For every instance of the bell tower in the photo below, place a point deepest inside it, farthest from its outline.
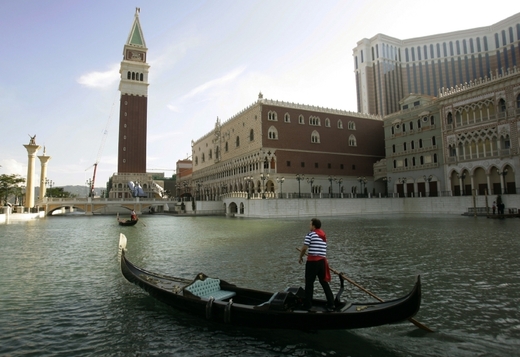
(133, 107)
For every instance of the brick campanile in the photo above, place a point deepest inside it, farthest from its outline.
(134, 102)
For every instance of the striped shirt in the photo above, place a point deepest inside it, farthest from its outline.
(317, 246)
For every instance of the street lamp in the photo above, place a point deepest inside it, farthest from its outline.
(299, 177)
(280, 181)
(88, 182)
(503, 174)
(23, 195)
(402, 181)
(249, 181)
(310, 181)
(330, 180)
(462, 177)
(185, 185)
(339, 181)
(263, 178)
(199, 184)
(386, 180)
(362, 181)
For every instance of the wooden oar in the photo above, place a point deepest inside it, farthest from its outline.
(411, 319)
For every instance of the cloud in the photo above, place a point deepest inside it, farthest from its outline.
(11, 166)
(214, 83)
(100, 79)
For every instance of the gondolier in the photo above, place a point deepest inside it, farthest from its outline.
(316, 266)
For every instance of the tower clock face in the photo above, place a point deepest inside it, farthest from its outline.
(136, 56)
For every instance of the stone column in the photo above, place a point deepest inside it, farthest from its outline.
(43, 159)
(32, 148)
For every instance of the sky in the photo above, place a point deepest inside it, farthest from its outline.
(59, 68)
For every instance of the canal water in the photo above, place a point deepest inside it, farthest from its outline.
(62, 294)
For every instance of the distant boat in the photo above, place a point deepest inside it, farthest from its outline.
(217, 300)
(126, 222)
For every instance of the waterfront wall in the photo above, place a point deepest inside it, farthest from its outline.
(271, 208)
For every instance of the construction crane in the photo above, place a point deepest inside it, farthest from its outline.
(100, 151)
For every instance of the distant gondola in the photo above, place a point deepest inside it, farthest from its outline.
(127, 222)
(217, 300)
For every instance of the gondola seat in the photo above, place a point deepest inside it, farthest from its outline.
(208, 288)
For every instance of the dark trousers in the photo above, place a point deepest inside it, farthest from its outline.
(313, 270)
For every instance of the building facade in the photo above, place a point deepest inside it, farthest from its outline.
(413, 146)
(388, 69)
(481, 126)
(465, 142)
(274, 147)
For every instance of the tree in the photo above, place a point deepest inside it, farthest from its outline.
(10, 185)
(58, 192)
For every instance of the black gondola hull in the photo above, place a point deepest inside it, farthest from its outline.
(246, 308)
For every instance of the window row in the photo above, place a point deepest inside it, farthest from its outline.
(402, 127)
(412, 145)
(422, 160)
(134, 76)
(272, 134)
(317, 165)
(313, 120)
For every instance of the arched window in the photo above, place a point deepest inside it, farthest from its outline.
(251, 135)
(210, 156)
(227, 147)
(315, 137)
(271, 115)
(432, 120)
(420, 143)
(196, 160)
(502, 105)
(129, 75)
(327, 122)
(419, 123)
(412, 145)
(141, 77)
(272, 133)
(203, 157)
(315, 121)
(287, 118)
(434, 141)
(351, 125)
(301, 120)
(449, 119)
(238, 141)
(340, 124)
(352, 140)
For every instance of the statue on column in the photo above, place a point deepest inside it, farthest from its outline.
(33, 139)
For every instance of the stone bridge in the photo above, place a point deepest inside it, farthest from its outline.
(104, 205)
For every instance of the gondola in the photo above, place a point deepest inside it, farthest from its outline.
(220, 301)
(126, 222)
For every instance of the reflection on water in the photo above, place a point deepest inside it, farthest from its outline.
(61, 292)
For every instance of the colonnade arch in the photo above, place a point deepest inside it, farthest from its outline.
(493, 180)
